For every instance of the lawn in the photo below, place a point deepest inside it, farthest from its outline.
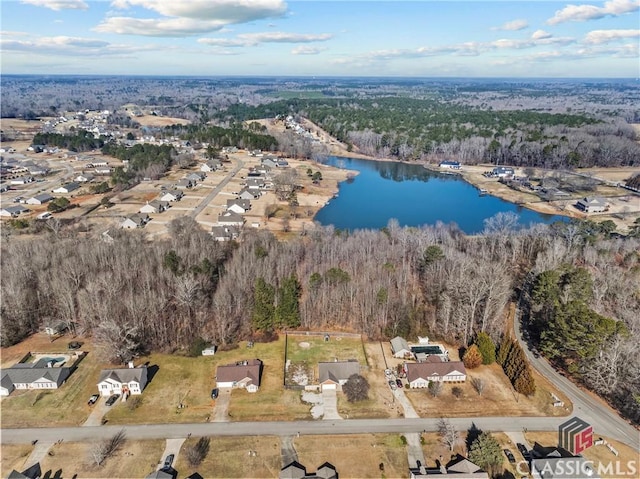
(134, 459)
(498, 398)
(66, 406)
(230, 457)
(12, 456)
(355, 455)
(626, 464)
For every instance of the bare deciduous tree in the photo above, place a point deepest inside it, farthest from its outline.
(478, 384)
(448, 434)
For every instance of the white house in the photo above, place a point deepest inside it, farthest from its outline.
(13, 211)
(122, 381)
(210, 351)
(246, 194)
(155, 206)
(452, 165)
(400, 348)
(238, 205)
(171, 195)
(23, 180)
(434, 369)
(84, 178)
(68, 188)
(592, 204)
(229, 218)
(40, 199)
(135, 221)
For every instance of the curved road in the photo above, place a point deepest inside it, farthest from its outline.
(595, 411)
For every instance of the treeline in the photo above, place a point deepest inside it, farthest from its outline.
(82, 141)
(133, 295)
(145, 160)
(251, 139)
(421, 129)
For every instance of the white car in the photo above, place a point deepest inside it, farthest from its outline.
(45, 216)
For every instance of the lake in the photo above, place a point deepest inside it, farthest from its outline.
(414, 196)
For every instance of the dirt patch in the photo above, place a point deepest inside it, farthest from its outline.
(13, 456)
(317, 408)
(153, 120)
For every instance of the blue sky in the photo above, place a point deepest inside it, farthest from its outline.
(328, 38)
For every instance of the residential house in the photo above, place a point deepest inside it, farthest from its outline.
(246, 194)
(592, 204)
(224, 233)
(238, 205)
(502, 171)
(36, 169)
(40, 199)
(171, 195)
(333, 375)
(13, 211)
(558, 463)
(160, 474)
(434, 369)
(84, 178)
(256, 153)
(155, 206)
(123, 381)
(22, 180)
(282, 163)
(458, 468)
(400, 348)
(209, 351)
(255, 183)
(211, 165)
(263, 169)
(270, 161)
(102, 170)
(195, 177)
(67, 188)
(41, 374)
(243, 374)
(33, 472)
(229, 149)
(185, 183)
(229, 218)
(135, 221)
(295, 470)
(452, 165)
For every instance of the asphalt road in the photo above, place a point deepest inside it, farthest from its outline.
(207, 199)
(587, 406)
(279, 428)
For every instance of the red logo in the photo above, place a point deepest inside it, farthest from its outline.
(575, 435)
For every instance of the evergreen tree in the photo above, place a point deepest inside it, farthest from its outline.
(485, 452)
(287, 312)
(503, 352)
(263, 308)
(486, 347)
(472, 357)
(524, 383)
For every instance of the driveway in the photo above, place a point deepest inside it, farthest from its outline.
(221, 408)
(287, 450)
(330, 402)
(172, 447)
(403, 400)
(99, 409)
(38, 454)
(414, 449)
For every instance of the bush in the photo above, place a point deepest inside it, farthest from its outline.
(356, 388)
(435, 388)
(196, 347)
(134, 402)
(472, 357)
(197, 452)
(457, 392)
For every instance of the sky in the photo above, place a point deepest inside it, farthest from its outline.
(416, 38)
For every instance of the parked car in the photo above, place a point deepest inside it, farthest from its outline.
(523, 450)
(392, 384)
(45, 216)
(112, 399)
(92, 400)
(168, 461)
(214, 393)
(399, 383)
(18, 199)
(388, 373)
(510, 456)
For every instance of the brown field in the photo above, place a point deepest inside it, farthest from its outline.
(229, 457)
(152, 120)
(134, 459)
(66, 406)
(354, 455)
(13, 456)
(627, 463)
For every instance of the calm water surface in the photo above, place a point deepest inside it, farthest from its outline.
(414, 196)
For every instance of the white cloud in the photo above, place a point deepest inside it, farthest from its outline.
(513, 25)
(606, 36)
(9, 33)
(540, 35)
(306, 50)
(254, 39)
(70, 46)
(582, 13)
(58, 4)
(181, 19)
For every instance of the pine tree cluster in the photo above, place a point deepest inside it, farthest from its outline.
(514, 363)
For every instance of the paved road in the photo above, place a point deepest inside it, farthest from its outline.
(277, 428)
(203, 204)
(605, 421)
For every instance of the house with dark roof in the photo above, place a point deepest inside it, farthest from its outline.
(155, 206)
(434, 369)
(135, 221)
(452, 165)
(229, 218)
(243, 374)
(45, 373)
(224, 233)
(171, 195)
(559, 463)
(503, 171)
(238, 205)
(13, 211)
(67, 188)
(123, 381)
(458, 468)
(400, 348)
(247, 194)
(332, 375)
(40, 199)
(295, 470)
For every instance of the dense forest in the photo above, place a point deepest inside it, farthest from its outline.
(82, 141)
(424, 129)
(132, 295)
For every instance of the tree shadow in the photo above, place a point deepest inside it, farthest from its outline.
(472, 434)
(151, 372)
(195, 475)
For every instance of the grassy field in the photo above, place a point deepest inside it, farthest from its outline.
(624, 463)
(229, 457)
(318, 350)
(12, 456)
(66, 406)
(134, 459)
(356, 455)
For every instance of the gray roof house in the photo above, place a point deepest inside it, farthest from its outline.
(592, 204)
(37, 375)
(247, 194)
(67, 188)
(195, 177)
(255, 183)
(238, 205)
(211, 165)
(229, 218)
(122, 381)
(135, 221)
(559, 463)
(160, 474)
(458, 468)
(332, 375)
(40, 199)
(224, 233)
(171, 195)
(155, 206)
(185, 183)
(434, 369)
(399, 347)
(295, 470)
(13, 211)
